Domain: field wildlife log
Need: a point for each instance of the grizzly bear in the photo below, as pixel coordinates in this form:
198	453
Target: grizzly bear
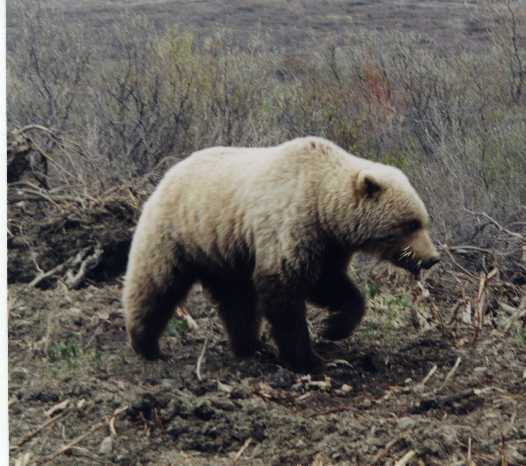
265	230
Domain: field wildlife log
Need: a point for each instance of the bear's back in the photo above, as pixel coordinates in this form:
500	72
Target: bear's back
225	198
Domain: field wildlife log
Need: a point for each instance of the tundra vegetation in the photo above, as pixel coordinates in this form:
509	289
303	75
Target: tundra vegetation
435	374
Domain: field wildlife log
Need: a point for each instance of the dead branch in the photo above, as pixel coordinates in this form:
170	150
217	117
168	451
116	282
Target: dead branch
200	360
497	224
42	276
439	402
39	429
429	375
517	314
84	261
445	248
386	449
406	458
111	421
27	128
248	441
75	441
73	280
451	373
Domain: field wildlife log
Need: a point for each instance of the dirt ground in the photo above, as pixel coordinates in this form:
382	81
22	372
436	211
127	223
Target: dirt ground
399	389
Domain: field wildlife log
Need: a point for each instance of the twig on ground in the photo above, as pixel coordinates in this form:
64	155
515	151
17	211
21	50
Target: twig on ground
406	458
439	402
386	449
445	247
86	264
200	360
39	193
57	408
74	442
42	276
479	308
428	376
86	453
111	421
516	314
49	422
73	280
241	451
450	374
454	312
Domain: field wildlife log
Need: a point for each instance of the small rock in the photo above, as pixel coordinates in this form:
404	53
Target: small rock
346	388
406	423
167	383
239	393
282	378
223	387
224	405
106	446
367	403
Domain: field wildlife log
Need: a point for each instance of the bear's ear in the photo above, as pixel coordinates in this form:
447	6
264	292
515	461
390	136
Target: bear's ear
367	185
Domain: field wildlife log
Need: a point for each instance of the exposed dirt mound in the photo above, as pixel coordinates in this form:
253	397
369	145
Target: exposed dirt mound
44	237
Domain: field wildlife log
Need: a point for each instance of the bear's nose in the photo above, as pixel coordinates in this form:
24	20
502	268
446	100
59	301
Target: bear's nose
430	262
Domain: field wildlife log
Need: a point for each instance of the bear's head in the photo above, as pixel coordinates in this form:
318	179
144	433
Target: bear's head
395	219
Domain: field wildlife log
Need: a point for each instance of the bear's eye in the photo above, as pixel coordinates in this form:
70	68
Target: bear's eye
412	226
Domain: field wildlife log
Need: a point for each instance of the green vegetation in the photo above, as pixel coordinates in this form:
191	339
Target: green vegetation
63	351
177	327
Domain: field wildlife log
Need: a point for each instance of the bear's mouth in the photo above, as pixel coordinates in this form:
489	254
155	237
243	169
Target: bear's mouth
407	261
410	265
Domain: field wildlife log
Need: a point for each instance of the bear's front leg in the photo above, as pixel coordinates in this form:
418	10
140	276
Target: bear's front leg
285	310
336	292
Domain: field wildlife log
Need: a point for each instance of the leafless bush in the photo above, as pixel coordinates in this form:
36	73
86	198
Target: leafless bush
47	71
455	123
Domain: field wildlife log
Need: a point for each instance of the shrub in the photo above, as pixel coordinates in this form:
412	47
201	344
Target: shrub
455	123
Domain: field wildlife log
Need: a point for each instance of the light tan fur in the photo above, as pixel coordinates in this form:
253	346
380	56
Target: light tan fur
265	212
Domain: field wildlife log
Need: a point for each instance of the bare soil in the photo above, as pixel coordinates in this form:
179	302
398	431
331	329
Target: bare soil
368	407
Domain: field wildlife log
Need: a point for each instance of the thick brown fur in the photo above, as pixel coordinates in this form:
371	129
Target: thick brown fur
265	230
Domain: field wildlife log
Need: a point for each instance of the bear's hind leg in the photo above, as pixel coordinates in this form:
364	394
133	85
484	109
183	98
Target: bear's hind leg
287	316
150	298
343	299
236	304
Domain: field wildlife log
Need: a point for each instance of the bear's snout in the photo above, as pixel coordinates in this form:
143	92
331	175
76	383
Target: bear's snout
427	264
